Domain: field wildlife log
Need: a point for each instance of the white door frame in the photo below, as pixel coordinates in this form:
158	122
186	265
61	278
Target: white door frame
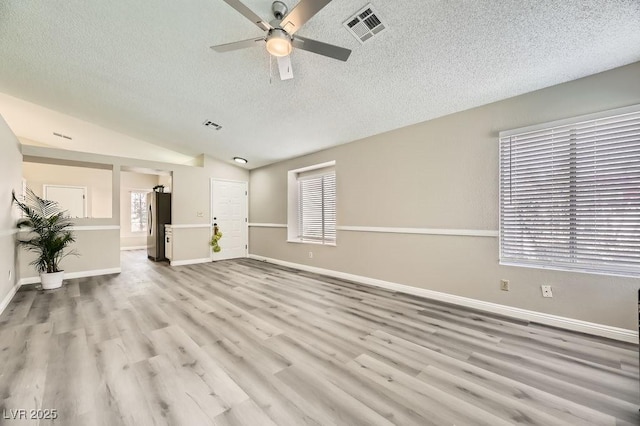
84	194
246	212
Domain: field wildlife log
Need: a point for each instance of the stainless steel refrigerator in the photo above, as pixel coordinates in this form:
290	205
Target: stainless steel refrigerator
158	215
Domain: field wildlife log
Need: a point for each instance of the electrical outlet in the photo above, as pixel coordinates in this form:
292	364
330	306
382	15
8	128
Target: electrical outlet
310	255
546	291
504	285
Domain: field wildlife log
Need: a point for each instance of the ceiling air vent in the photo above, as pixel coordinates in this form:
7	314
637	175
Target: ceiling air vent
365	24
211	124
60	135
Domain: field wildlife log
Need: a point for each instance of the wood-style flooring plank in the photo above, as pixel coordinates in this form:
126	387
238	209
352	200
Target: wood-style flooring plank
383	401
317	394
402	352
260	385
422	397
243	342
211	385
22	383
72	376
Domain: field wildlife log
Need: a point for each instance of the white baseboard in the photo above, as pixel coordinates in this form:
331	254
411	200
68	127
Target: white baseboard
601	330
72	275
189	261
7	299
133	248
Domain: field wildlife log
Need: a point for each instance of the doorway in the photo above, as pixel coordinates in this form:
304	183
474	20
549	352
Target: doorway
229	211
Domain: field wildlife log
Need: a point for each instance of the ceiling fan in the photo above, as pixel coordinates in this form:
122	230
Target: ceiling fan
281	35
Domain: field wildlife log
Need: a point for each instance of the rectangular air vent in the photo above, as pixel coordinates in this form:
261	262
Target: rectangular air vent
60	135
213	125
365	24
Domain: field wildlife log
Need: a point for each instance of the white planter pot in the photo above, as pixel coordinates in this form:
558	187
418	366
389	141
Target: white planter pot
51	280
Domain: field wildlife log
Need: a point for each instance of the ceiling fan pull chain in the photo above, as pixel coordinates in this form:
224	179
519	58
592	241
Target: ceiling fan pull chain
270	69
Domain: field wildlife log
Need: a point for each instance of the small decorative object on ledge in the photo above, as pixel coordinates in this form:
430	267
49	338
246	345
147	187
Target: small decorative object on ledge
215	238
158	188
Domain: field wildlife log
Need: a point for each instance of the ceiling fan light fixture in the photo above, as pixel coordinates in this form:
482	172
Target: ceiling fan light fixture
279	43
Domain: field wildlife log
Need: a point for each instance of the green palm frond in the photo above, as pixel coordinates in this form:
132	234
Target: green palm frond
49	234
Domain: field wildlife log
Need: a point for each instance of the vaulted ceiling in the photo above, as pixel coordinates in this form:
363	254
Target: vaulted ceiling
144	69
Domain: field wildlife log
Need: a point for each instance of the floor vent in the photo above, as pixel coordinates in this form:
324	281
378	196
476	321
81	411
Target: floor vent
365	24
211	124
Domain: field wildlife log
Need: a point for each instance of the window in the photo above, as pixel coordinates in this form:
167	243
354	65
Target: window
317	208
312	204
138	211
570	194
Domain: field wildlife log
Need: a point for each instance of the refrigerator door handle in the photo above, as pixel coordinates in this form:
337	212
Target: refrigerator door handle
150	220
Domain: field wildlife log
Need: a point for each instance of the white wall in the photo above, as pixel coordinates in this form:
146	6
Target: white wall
10	179
97	182
131	181
191	196
443	174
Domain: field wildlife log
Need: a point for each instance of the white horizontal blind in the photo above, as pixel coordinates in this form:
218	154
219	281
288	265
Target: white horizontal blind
570	196
317	208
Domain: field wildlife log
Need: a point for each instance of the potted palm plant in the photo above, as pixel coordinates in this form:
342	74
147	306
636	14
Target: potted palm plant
48	236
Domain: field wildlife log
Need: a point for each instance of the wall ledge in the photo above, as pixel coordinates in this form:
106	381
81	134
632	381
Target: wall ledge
616	333
95	228
422	231
398	230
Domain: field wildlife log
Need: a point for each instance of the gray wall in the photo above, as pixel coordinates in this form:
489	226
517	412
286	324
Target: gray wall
444	174
10	179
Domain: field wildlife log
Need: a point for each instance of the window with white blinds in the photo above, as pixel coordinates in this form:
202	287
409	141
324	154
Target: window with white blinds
570	195
317	208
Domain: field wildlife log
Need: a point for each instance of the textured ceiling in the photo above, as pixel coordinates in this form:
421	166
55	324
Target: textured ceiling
145	69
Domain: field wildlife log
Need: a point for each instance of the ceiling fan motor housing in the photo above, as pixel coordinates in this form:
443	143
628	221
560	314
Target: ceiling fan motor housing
279	9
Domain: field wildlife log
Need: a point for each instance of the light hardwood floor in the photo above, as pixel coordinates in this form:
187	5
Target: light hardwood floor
247	343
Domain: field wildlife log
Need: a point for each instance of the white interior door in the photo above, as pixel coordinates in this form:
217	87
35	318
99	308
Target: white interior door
70	198
229	210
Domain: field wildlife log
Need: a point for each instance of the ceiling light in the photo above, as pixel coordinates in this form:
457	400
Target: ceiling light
240	160
278	42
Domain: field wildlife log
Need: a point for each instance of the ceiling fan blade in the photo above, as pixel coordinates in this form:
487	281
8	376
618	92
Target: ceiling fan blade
248	13
301	13
284	66
236	45
325	49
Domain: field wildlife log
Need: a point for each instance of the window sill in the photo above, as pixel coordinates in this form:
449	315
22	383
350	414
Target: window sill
315	243
576	269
